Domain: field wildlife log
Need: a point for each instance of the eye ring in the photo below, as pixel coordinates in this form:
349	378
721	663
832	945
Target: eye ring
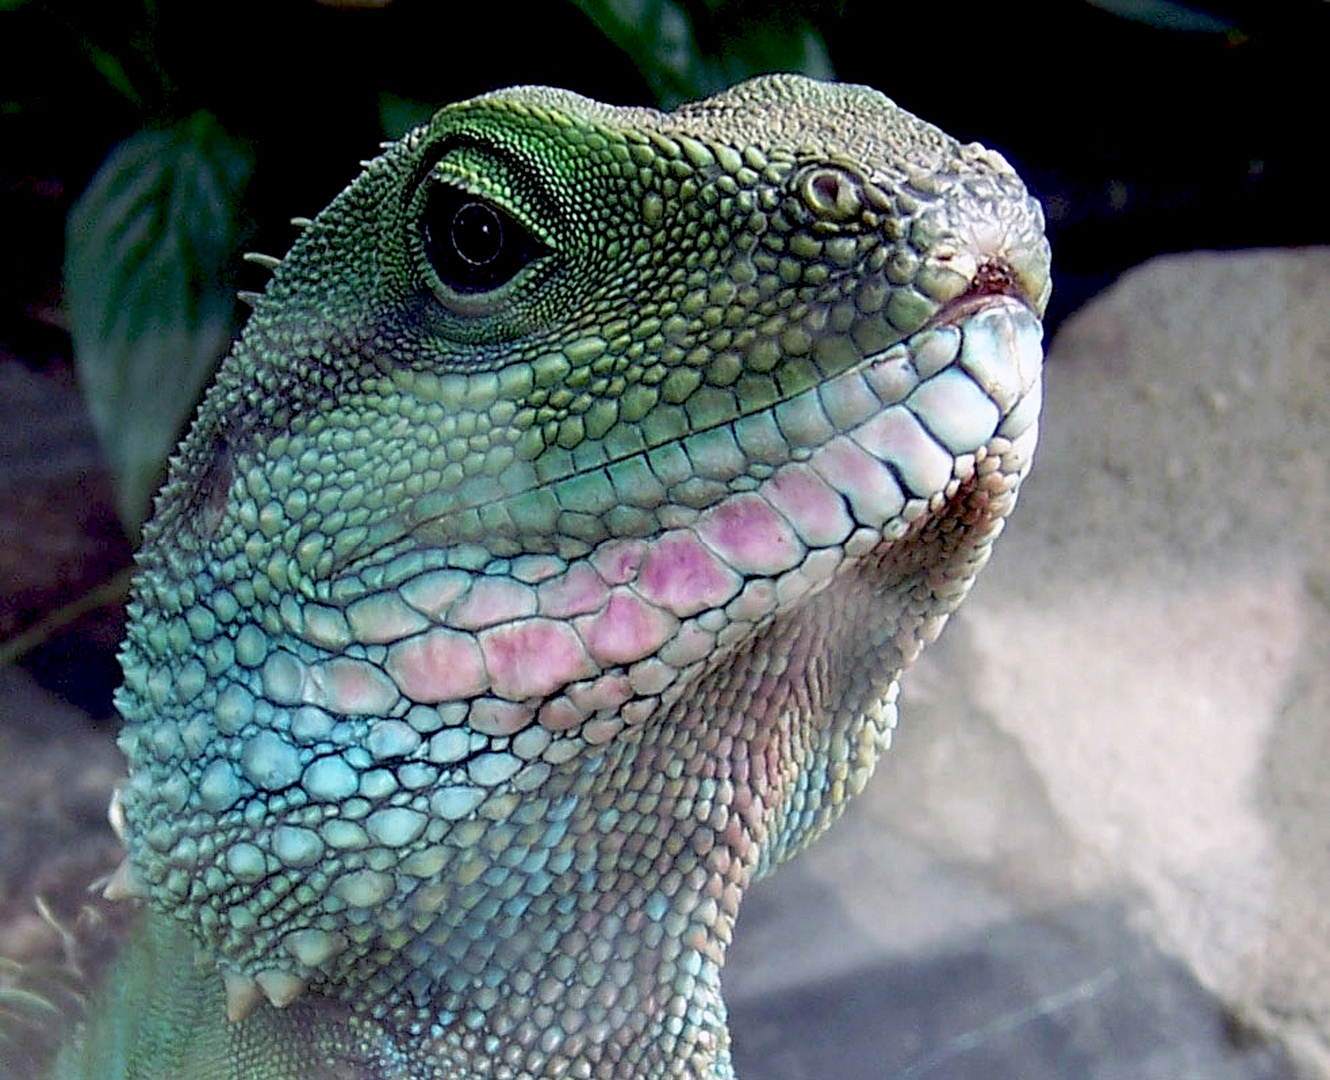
473	245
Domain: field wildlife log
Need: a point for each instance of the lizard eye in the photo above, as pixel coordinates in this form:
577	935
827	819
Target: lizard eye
472	244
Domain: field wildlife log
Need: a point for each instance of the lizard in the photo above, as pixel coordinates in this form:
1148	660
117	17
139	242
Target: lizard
539	570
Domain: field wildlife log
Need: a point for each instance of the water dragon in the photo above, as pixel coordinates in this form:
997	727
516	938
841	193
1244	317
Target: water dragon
538	573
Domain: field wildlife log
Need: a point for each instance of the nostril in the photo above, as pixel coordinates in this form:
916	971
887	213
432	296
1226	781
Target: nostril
994	278
1020	277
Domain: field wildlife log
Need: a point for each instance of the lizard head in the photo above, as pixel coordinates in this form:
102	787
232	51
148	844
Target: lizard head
542	561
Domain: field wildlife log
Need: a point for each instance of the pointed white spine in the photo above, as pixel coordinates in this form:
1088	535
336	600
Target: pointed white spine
115	814
125	884
280	987
242	995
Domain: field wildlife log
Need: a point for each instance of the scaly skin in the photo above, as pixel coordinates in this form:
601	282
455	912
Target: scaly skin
539	570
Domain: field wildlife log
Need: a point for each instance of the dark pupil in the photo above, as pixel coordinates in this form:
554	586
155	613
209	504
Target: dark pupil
477	234
473	245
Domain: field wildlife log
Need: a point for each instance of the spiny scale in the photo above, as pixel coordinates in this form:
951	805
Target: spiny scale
242	995
280	987
125	884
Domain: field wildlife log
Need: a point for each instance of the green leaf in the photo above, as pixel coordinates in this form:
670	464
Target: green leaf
689	49
148	248
398	115
1168	15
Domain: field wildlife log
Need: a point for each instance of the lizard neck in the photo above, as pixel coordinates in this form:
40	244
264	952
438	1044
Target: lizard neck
635	863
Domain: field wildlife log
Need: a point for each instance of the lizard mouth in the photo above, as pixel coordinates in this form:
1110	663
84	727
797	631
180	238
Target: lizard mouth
976	301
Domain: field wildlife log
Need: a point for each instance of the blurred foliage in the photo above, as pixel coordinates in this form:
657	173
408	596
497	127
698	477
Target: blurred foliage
147	250
692	50
1169	15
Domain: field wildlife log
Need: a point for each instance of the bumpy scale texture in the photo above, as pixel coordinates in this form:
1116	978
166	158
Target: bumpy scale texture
538	573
